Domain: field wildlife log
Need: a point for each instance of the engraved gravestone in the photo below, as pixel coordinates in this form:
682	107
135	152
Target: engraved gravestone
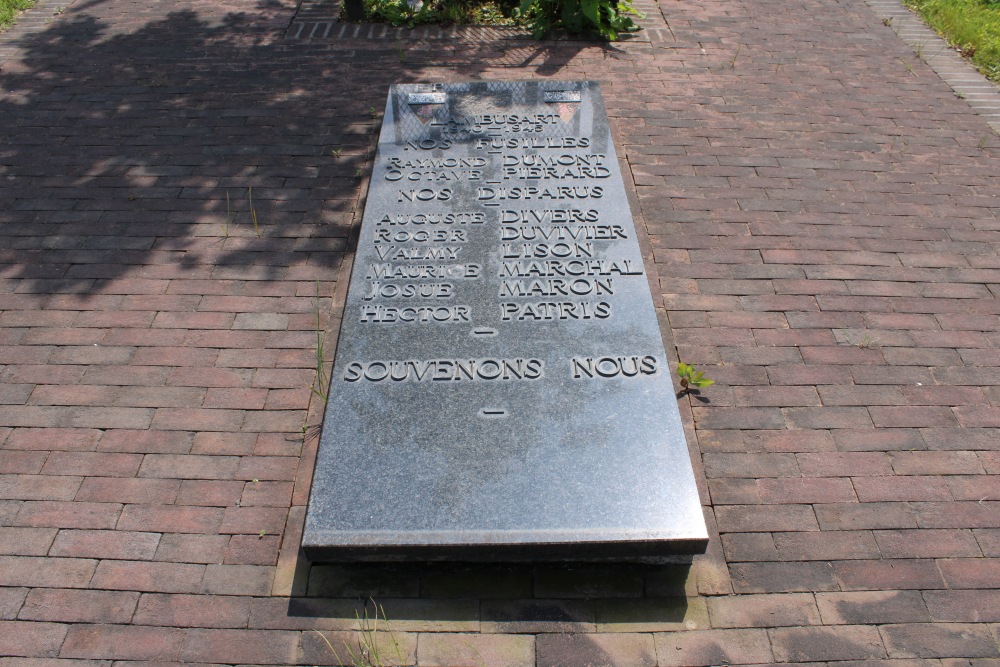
500	389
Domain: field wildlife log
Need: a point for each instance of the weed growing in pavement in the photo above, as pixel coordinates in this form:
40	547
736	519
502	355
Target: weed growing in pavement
732	61
983	141
370	651
253	216
691	378
322	381
337	152
887	21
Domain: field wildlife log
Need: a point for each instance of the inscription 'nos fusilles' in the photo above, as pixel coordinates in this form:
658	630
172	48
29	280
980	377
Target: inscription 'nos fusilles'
445	370
609	367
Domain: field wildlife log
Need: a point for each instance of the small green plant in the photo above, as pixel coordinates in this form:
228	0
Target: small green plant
321	382
732	61
887	22
253	216
983	141
370	651
691	378
337	152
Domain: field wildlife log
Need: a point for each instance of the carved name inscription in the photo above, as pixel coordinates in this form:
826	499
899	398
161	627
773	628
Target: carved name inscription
499	335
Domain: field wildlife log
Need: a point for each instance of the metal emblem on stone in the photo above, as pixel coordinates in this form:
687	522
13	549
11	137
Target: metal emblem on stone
500	389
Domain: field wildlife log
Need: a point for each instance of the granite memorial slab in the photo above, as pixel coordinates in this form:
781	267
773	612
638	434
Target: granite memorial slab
500	388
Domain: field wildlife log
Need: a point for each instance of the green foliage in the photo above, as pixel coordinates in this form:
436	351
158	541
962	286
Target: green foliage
9	10
605	18
691	378
971	26
472	12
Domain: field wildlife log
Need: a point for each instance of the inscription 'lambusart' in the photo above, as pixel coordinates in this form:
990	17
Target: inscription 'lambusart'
500	370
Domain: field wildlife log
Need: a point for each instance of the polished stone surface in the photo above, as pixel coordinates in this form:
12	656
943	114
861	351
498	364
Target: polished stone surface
500	389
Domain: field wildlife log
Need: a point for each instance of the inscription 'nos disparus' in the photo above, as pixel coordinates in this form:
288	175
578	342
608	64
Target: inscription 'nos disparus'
445	370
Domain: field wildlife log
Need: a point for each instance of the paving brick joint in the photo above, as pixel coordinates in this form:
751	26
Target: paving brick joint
821	228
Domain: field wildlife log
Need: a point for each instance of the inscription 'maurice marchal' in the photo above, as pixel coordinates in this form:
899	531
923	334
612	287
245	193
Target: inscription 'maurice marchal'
500	388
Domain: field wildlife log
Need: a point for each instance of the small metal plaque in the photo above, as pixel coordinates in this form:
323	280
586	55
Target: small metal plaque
427	98
500	389
562	95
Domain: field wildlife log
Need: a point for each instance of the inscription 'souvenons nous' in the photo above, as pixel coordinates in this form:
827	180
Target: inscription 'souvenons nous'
464	370
547	253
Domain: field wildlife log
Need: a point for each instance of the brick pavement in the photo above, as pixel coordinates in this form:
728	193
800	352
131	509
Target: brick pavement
821	216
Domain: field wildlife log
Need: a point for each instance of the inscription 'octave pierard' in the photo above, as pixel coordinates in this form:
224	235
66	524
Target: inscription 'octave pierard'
445	370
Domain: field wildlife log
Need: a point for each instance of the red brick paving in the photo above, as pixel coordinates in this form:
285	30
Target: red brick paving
820	213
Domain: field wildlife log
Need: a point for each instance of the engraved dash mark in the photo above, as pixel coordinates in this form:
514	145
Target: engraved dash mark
484	332
492	412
